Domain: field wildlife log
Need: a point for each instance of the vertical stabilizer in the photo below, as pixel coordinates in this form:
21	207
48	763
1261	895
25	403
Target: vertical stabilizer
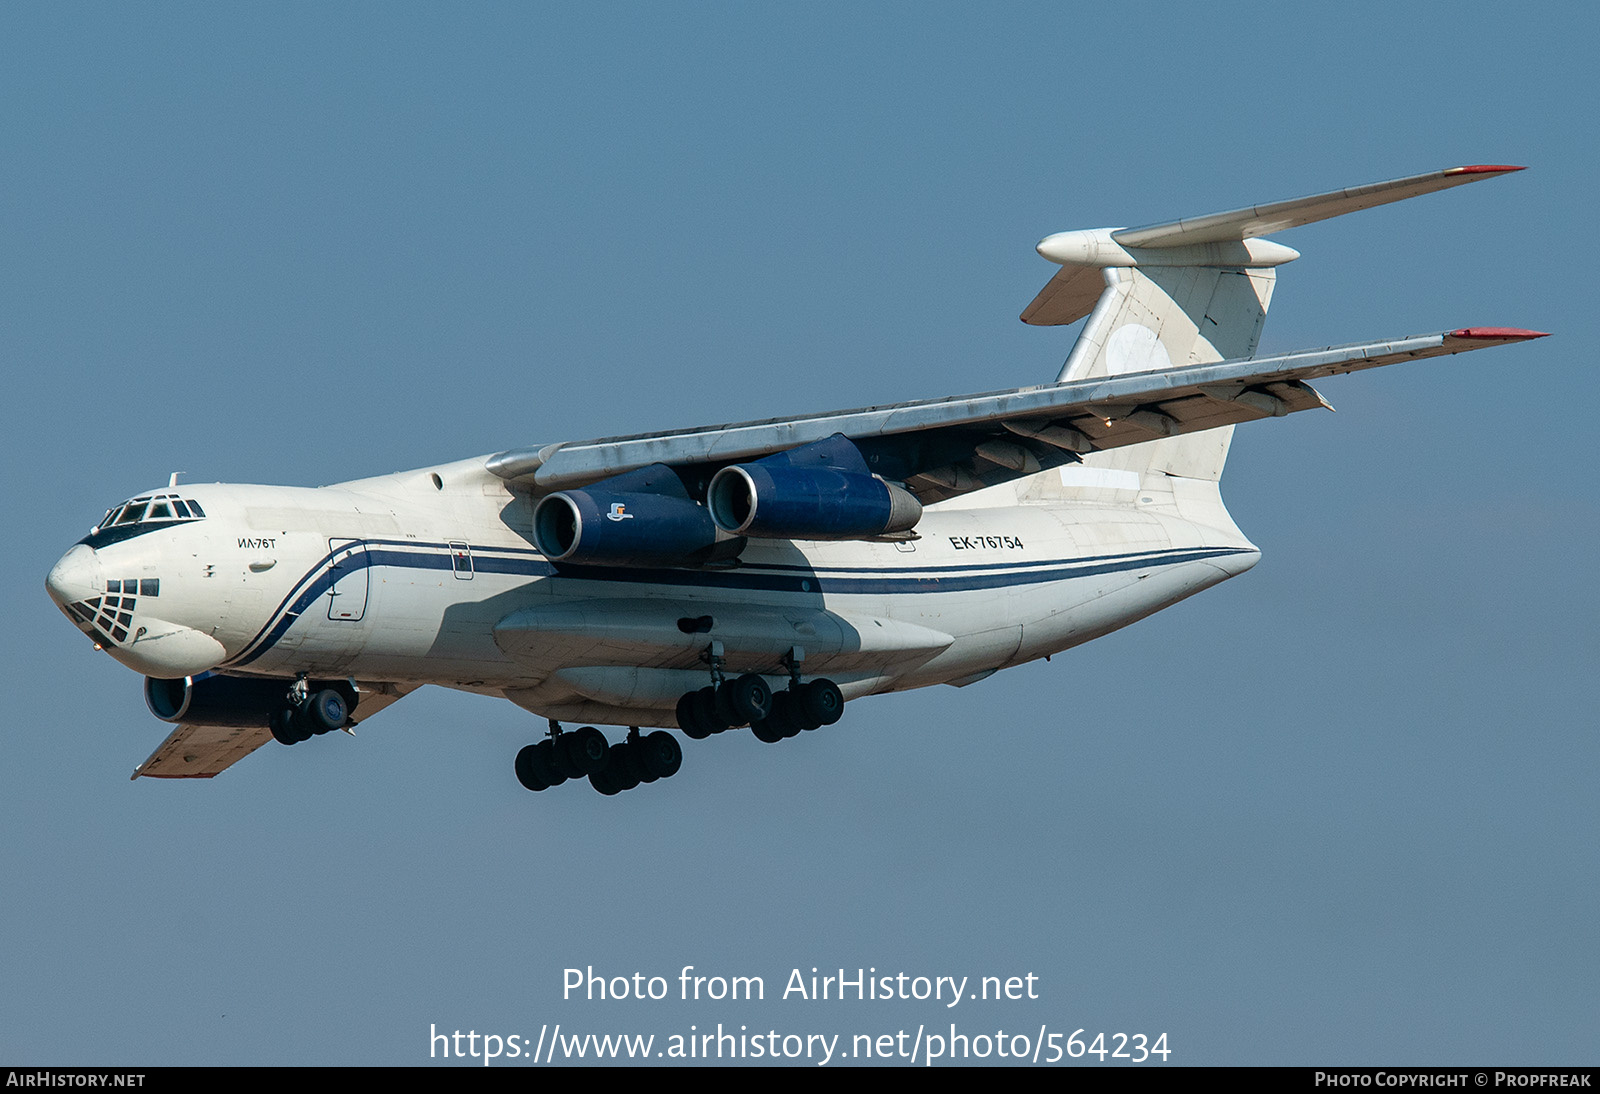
1161	316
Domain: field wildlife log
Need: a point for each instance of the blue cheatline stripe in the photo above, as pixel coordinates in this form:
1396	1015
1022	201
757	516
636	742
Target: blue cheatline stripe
956	567
425	556
799	580
987	578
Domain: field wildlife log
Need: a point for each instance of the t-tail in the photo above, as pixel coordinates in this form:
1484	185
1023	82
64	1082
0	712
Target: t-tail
1187	292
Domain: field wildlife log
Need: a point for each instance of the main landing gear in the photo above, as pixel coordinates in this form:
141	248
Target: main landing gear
748	700
611	768
745	700
306	713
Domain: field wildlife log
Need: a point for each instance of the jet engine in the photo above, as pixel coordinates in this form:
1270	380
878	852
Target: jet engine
643	518
233	701
821	490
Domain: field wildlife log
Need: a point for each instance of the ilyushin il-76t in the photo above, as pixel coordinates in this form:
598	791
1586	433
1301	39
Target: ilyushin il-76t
763	574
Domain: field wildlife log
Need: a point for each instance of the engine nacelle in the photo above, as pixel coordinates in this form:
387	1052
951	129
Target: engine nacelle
643	518
233	701
821	490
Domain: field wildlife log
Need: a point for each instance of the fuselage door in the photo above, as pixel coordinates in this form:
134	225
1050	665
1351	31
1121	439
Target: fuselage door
347	587
461	560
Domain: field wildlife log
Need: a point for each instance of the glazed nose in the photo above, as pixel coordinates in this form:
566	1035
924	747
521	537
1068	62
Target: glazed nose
77	576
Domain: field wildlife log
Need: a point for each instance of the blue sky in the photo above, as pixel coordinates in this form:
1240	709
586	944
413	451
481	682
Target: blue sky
1340	810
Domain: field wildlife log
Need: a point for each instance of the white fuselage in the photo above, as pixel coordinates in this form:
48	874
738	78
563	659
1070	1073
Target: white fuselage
432	577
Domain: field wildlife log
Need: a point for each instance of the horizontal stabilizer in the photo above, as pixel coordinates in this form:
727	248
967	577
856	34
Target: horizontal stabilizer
1260	220
1216	240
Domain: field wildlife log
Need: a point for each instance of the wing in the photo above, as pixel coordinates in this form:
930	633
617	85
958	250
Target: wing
942	448
202	752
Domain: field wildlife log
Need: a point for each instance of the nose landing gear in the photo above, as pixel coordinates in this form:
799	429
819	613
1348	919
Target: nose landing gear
306	713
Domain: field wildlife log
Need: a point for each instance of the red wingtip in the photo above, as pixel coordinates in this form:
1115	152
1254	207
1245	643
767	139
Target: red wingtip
1510	333
1485	169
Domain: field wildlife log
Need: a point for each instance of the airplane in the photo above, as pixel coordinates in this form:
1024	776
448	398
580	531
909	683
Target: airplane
762	574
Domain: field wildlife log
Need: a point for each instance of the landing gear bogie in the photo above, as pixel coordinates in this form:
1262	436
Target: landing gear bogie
772	716
749	699
610	768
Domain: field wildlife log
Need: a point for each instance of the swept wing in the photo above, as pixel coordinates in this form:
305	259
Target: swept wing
201	752
942	448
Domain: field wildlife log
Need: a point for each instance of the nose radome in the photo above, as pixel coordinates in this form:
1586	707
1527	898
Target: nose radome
77	576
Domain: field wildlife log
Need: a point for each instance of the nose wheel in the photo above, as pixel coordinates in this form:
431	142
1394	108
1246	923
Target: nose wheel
307	714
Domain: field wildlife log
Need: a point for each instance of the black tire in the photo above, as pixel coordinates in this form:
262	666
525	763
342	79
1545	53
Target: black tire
822	702
766	731
623	768
564	764
751	698
542	762
660	754
782	717
327	710
283	727
636	761
722	700
705	708
528	769
605	780
585	750
798	714
689	721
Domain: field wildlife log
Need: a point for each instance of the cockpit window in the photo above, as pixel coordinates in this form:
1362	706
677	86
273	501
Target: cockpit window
162	507
137	516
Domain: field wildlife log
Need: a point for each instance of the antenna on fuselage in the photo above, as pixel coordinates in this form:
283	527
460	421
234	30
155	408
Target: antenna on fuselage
172	479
